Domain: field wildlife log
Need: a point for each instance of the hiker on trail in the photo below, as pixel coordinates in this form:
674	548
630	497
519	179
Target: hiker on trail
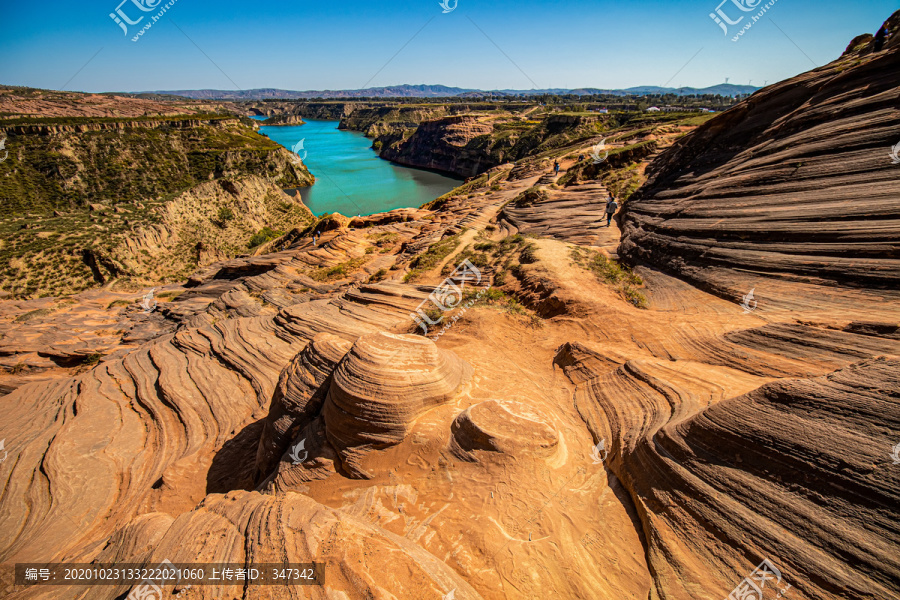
880	37
580	157
556	167
611	207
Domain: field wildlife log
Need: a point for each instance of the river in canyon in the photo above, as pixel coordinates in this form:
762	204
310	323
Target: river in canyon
350	178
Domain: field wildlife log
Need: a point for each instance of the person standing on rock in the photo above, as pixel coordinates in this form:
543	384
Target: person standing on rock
611	207
880	37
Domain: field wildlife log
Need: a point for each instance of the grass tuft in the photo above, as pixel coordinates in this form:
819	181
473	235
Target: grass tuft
612	273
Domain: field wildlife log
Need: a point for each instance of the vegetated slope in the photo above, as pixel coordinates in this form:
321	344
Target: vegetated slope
66	163
795	183
73	188
17	102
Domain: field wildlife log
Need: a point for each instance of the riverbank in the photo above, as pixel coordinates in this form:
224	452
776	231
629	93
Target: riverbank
350	177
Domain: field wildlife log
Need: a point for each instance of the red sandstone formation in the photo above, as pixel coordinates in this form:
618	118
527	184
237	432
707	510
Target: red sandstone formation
564	445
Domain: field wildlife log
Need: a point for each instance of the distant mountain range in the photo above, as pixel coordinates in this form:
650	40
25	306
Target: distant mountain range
437	91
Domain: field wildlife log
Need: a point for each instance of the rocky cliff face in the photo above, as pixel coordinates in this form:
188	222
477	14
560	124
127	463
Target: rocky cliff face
67	163
284	120
73	189
382	120
211	222
322	111
468	145
446	145
795	183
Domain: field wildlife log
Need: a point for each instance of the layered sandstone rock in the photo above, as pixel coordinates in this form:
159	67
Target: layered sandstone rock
795	183
599	452
299	396
758	473
502	426
442	145
381	387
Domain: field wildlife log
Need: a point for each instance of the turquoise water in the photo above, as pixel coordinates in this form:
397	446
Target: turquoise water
350	178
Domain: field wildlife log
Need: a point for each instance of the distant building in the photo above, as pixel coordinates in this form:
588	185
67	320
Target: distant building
604	111
653	109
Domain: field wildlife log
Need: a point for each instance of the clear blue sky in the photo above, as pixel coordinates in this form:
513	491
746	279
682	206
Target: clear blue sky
343	44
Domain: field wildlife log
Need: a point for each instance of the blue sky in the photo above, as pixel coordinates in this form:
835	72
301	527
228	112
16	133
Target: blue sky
341	45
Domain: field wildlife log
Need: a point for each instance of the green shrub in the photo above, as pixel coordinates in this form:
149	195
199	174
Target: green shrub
431	257
611	272
266	234
225	215
379	275
528	255
338	271
91	359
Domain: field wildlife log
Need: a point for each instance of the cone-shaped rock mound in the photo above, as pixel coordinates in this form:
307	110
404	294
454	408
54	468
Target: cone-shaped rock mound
299	396
502	426
382	386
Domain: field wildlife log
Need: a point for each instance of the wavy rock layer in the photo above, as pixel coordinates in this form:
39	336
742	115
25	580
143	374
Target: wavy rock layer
382	386
795	183
502	426
595	451
572	216
299	396
797	471
291	528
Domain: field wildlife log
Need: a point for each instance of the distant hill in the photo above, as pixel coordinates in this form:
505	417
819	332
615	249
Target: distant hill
439	91
395	91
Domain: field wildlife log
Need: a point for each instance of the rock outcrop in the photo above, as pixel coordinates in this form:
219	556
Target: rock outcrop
795	183
381	387
502	426
796	471
442	145
299	396
284	120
